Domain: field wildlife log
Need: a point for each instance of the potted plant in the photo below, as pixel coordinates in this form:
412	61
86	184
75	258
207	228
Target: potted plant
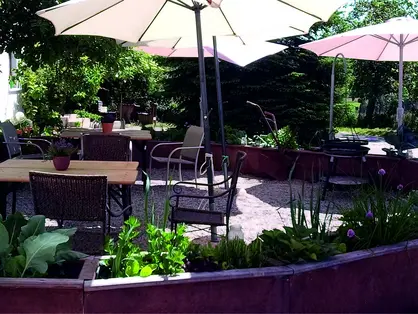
60	152
107	122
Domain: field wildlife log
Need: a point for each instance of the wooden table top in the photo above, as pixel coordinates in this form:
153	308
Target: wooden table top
134	134
117	172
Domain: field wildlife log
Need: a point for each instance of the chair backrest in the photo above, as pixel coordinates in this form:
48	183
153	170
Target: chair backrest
193	138
69	197
10	135
108	147
234	180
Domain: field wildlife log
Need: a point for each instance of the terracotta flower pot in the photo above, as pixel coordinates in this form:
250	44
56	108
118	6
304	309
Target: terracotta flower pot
61	163
107	127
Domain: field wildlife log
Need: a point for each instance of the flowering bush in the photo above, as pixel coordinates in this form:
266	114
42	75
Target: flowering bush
379	217
24	126
61	148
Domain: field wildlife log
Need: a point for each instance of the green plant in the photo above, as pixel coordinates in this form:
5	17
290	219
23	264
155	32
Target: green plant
77	124
236	254
284	136
61	148
379	217
167	250
127	258
85	114
27	249
235	136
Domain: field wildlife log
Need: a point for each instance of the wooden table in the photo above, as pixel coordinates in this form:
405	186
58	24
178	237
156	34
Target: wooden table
138	137
117	172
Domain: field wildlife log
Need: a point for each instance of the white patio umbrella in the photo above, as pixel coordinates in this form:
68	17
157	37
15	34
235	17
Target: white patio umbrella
233	49
394	40
142	20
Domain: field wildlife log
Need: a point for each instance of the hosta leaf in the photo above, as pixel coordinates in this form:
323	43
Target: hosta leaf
67	232
35	226
14	224
4	239
68	255
40	250
14	266
146	271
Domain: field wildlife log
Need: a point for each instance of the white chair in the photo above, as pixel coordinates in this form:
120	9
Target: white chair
188	152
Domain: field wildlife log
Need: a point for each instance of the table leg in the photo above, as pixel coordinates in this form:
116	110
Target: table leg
3	199
143	165
126	201
332	168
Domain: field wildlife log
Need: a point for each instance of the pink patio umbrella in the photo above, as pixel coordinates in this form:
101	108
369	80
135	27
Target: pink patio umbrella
394	40
233	49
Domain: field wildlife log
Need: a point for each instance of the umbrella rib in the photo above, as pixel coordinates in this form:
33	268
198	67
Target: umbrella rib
181	3
90	17
395	42
383	50
411	41
155	17
229	24
298	29
174	47
298	9
342	45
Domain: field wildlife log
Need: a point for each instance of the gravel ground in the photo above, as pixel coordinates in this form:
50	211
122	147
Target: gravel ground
260	204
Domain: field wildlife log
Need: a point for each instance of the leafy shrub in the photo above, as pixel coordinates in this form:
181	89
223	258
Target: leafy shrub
165	255
85	114
346	114
235	136
27	249
411	120
365	131
379	217
285	137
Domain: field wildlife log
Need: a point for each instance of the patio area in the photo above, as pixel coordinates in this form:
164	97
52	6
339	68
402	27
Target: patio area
260	204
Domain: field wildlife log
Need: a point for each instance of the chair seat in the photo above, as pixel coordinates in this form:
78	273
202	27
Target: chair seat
30	156
173	160
199	217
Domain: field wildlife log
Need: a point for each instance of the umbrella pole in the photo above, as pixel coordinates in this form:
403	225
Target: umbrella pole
220	111
400	110
204	103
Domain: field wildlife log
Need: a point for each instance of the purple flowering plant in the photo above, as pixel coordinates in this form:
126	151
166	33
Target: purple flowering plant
61	148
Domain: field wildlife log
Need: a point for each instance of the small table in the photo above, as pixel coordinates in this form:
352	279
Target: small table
138	137
117	172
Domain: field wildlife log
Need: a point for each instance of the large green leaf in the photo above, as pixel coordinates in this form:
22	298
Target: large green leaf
4	239
41	249
14	224
68	255
68	232
35	226
14	266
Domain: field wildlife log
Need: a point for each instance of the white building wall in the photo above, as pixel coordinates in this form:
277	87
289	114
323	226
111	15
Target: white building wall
9	97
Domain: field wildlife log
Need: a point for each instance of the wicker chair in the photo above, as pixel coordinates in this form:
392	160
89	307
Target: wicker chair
189	151
181	214
71	197
14	148
108	147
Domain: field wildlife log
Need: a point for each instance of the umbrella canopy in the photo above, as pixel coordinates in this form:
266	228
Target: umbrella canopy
232	49
142	20
394	40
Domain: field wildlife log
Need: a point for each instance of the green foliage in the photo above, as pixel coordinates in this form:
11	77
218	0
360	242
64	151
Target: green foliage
346	115
85	114
379	217
285	137
235	136
365	131
411	120
167	250
165	255
26	249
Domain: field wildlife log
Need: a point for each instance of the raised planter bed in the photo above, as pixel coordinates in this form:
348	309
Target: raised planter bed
384	279
44	295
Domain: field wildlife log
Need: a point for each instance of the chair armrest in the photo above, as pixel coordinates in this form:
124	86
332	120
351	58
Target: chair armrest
27	143
163	144
34	139
119	212
200	184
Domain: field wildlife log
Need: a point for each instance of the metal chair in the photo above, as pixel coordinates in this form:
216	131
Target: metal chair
188	152
72	197
14	149
185	215
14	143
